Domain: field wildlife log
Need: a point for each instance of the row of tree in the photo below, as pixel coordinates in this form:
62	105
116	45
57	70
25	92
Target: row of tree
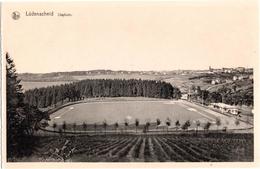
168	123
44	97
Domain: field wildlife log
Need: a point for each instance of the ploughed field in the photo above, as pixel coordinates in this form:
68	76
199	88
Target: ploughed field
215	147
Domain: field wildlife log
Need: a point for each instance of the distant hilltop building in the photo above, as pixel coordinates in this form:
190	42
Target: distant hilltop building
230	70
210	69
249	70
241	69
235	78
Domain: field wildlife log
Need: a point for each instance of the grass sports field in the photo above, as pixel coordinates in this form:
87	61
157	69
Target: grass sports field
94	144
119	110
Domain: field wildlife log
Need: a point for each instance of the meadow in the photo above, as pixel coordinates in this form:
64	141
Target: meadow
32	85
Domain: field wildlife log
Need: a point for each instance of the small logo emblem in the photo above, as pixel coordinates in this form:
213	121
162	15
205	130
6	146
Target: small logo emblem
16	15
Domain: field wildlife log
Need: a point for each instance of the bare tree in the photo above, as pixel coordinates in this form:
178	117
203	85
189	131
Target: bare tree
197	125
60	131
84	125
168	123
186	125
74	127
64	126
218	122
54	125
136	124
95	127
158	122
237	122
177	124
126	125
147	125
207	126
105	125
116	126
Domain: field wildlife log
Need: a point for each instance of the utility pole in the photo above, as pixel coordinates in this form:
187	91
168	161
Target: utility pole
222	102
202	101
189	94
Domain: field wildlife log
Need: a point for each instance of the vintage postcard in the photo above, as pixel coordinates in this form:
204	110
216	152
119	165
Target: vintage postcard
130	84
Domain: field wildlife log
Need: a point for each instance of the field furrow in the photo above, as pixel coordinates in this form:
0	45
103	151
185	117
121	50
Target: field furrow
122	153
168	149
150	148
115	150
182	152
132	152
161	154
106	150
141	152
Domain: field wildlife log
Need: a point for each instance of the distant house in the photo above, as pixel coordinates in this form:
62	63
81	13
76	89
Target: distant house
191	95
251	77
235	78
228	81
215	81
212	70
240	69
227	70
184	96
217	70
249	70
243	77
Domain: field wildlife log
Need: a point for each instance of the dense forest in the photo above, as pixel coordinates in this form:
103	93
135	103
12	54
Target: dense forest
21	117
231	96
44	97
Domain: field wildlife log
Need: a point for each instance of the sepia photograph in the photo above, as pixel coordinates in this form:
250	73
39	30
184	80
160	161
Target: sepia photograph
129	82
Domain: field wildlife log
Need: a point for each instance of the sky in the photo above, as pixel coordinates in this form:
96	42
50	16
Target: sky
132	36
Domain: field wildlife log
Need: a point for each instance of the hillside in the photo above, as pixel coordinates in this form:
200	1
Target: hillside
183	79
97	74
177	78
